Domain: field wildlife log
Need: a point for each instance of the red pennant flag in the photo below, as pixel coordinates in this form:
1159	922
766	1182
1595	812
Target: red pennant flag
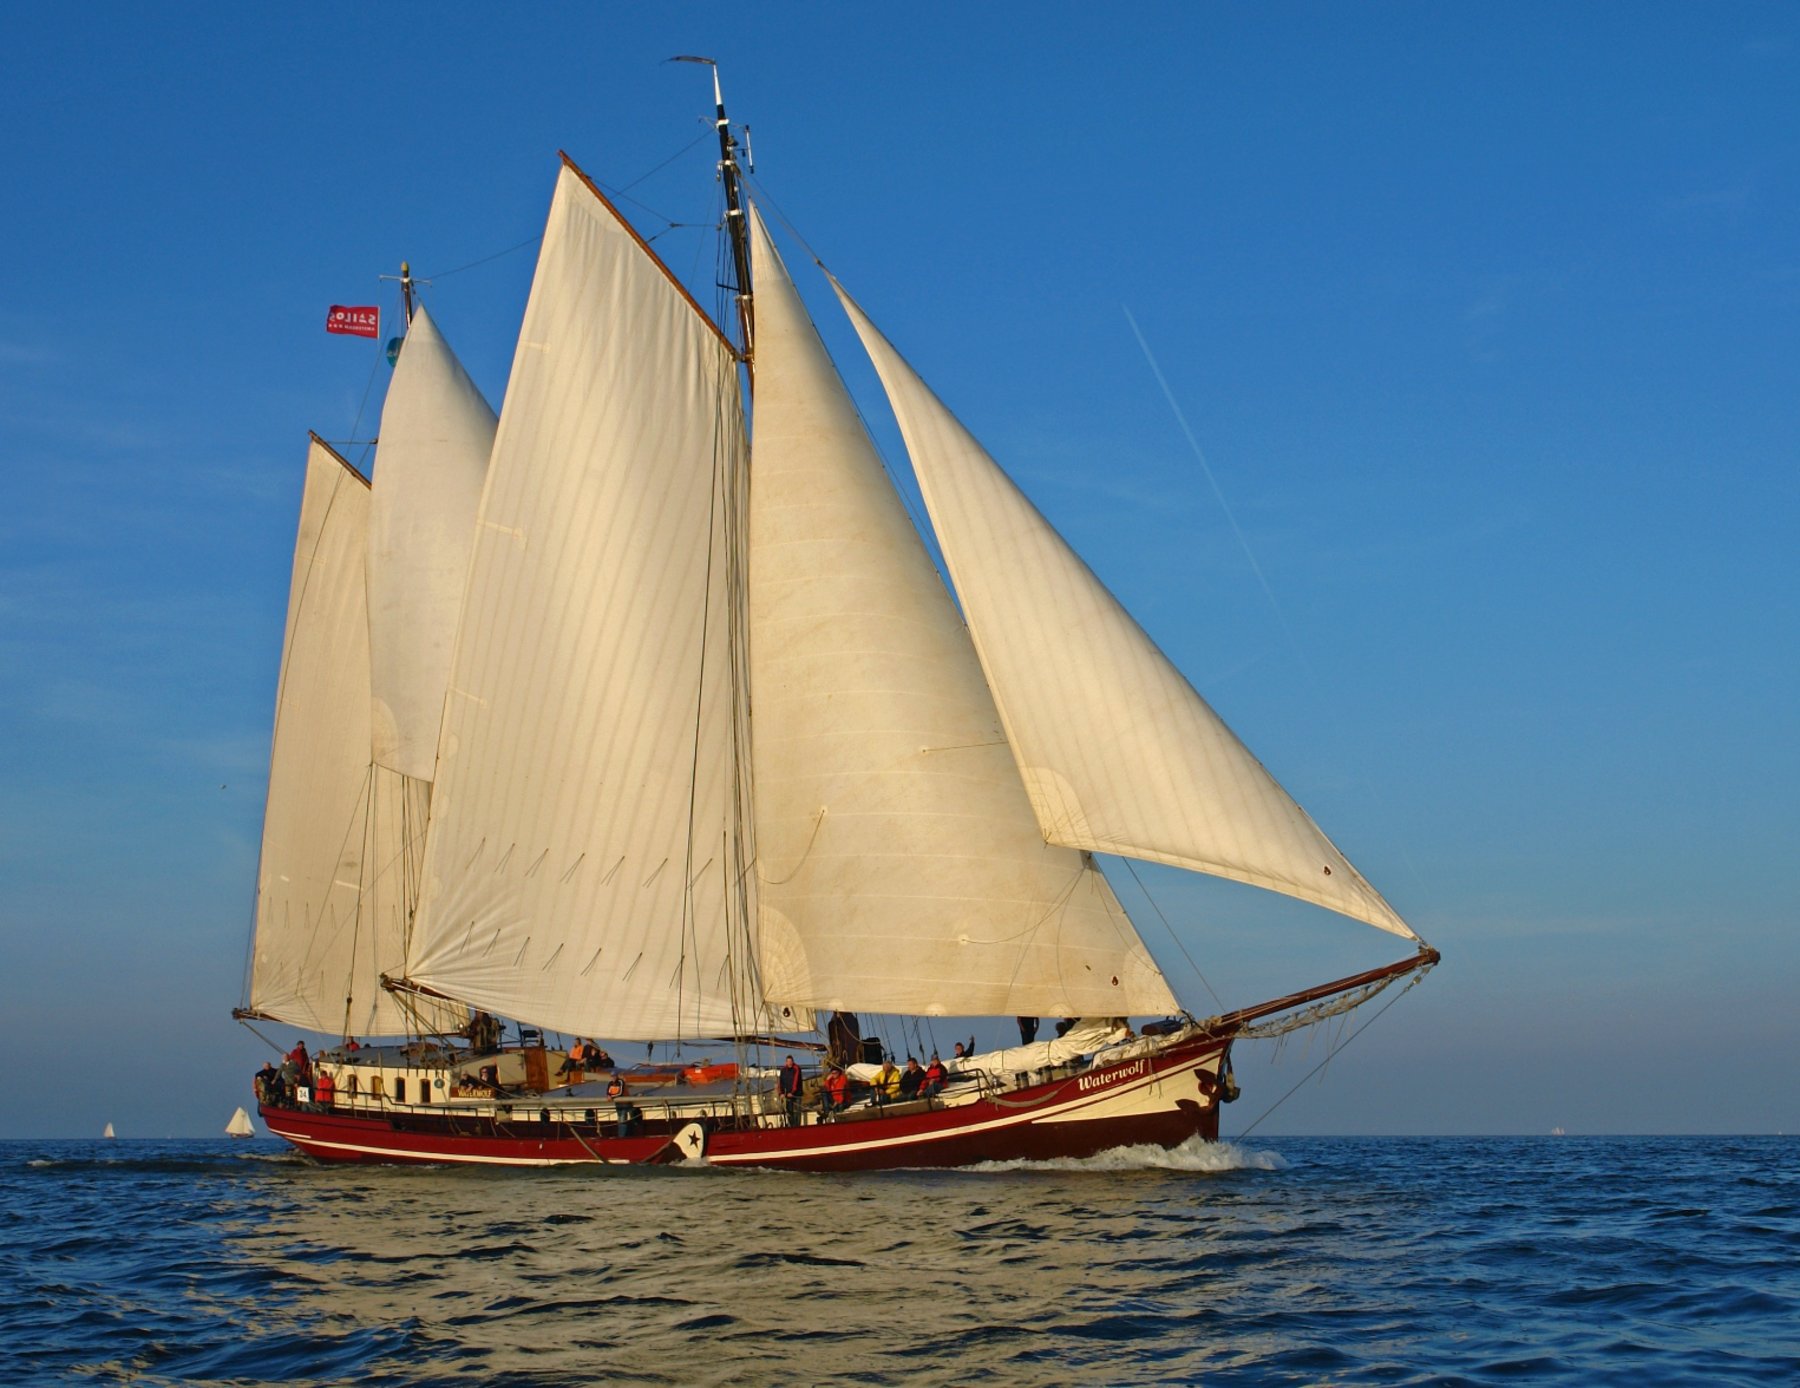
358	322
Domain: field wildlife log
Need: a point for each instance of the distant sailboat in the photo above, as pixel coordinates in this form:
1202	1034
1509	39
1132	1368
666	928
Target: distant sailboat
239	1126
109	1133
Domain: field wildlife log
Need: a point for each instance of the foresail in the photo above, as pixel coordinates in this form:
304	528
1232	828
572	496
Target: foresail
1117	751
436	434
584	842
900	866
319	952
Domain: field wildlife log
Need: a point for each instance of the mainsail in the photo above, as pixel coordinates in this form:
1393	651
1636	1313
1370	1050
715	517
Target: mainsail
320	950
900	867
1118	752
586	842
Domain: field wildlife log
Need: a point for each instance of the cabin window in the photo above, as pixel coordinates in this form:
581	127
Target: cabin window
377	1086
424	1091
399	1090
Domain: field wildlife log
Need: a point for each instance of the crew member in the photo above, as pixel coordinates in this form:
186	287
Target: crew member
836	1090
791	1083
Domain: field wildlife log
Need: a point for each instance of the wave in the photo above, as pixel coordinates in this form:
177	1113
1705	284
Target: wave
1194	1155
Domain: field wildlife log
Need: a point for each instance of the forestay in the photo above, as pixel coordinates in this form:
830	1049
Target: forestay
583	834
1118	752
901	869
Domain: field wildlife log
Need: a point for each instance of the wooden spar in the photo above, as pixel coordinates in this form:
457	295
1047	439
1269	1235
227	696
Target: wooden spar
645	247
347	465
406	985
1232	1021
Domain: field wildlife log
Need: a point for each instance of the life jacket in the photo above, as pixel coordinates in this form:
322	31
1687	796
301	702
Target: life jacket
325	1088
837	1086
616	1088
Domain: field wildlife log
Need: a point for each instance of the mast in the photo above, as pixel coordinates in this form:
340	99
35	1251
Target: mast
406	289
736	227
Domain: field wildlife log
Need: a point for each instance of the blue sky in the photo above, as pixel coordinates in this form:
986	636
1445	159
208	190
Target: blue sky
1487	320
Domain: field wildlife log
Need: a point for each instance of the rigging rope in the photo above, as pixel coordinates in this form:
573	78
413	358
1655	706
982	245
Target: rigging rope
445	274
1131	867
1335	1051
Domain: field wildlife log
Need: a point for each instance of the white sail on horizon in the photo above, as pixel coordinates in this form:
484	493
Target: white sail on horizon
1117	750
901	869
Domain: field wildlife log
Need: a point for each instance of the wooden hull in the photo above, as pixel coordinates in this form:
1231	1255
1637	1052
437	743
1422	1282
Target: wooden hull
1162	1100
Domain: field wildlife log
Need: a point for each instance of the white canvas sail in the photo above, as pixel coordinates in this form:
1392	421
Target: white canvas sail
240	1125
436	434
900	866
584	841
318	955
1117	751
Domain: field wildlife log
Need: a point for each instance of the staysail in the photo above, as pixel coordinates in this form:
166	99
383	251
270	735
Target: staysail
436	434
900	866
320	949
1118	753
585	839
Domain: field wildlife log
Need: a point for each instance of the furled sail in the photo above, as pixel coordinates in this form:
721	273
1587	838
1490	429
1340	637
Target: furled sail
320	947
1118	752
436	435
900	866
584	841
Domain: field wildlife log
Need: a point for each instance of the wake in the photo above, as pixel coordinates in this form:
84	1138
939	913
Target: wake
1194	1155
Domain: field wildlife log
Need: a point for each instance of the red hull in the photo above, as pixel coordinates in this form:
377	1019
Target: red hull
1159	1100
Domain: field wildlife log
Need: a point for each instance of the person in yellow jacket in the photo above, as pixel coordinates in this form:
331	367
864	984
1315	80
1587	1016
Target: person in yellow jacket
886	1084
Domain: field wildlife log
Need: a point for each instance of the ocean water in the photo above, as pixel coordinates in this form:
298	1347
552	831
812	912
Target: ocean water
1621	1260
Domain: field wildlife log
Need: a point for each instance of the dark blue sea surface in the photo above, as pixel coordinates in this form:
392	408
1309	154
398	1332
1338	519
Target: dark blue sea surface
1577	1260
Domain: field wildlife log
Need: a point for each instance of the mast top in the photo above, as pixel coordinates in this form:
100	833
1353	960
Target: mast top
737	226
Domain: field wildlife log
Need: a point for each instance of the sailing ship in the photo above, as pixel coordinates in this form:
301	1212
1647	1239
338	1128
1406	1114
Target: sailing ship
239	1124
613	718
108	1134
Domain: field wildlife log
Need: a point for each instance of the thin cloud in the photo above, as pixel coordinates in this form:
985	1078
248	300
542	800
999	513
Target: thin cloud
13	353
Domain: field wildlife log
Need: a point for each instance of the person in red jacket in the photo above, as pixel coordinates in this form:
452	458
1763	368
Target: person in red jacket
935	1075
324	1090
837	1089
